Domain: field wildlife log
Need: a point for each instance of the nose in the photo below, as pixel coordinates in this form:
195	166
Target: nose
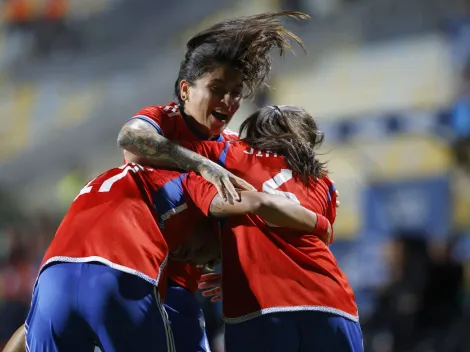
228	100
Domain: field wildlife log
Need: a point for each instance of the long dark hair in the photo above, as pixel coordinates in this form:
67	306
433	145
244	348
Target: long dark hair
243	43
289	131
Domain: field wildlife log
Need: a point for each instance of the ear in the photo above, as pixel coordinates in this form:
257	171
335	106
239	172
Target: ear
184	90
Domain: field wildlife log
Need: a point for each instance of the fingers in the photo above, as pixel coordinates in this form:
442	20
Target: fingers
221	190
211	276
209	281
211	284
230	189
212	292
208	285
216	298
242	184
338	203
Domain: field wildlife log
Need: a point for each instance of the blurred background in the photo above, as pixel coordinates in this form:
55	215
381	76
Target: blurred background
388	80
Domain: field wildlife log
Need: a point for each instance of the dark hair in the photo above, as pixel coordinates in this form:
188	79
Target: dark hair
243	43
289	131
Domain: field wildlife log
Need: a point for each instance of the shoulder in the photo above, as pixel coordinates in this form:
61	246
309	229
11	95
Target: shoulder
159	111
230	135
328	181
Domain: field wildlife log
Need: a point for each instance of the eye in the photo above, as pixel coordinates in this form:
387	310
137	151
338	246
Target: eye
218	90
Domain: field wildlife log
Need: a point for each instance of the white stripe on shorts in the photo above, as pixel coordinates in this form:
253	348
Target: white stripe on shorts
170	343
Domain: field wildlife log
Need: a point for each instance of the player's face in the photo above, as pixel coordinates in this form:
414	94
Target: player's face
214	98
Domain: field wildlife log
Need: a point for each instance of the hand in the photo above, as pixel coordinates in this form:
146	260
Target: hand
338	203
224	181
211	284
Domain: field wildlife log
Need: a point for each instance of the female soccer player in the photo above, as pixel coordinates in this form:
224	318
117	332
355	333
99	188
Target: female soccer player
222	65
282	289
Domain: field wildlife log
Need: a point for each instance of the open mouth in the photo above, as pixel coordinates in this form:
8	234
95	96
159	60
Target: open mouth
219	116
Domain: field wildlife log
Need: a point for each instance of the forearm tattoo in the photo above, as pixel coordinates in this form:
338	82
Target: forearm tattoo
139	138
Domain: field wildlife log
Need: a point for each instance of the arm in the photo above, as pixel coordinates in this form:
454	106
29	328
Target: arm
142	139
209	149
17	342
276	209
272	208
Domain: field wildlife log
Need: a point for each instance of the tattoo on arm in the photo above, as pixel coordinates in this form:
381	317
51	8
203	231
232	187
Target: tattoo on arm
140	138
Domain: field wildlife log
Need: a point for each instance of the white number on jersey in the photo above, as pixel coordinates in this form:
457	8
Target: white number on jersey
271	186
106	185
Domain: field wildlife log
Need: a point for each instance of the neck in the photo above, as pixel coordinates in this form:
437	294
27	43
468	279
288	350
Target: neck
203	130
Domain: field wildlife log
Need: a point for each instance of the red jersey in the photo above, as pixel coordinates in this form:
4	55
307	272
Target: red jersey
117	218
268	269
173	125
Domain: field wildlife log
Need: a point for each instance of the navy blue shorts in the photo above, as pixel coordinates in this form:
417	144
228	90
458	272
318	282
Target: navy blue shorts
294	331
186	319
76	306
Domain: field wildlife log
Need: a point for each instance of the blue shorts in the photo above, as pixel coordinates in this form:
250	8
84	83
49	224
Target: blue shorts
294	331
186	319
76	306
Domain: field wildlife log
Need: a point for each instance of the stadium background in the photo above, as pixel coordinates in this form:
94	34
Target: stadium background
389	81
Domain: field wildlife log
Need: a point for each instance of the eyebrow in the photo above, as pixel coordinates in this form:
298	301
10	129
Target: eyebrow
218	80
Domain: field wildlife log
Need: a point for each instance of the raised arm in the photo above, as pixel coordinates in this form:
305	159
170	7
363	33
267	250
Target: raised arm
274	209
143	140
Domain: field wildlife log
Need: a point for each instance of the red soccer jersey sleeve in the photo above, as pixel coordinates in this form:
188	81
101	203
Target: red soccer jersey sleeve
199	191
163	118
230	135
